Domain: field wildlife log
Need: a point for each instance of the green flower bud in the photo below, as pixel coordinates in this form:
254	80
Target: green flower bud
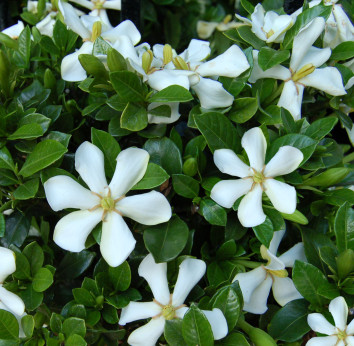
297	217
99	301
49	79
345	263
190	167
258	336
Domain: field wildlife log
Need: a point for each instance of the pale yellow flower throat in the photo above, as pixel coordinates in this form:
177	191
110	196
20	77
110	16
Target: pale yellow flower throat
168	311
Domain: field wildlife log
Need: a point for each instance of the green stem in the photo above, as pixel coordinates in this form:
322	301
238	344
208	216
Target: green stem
248	264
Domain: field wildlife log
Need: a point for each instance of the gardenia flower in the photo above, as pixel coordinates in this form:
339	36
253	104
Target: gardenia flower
256	178
339	335
15	30
268	26
303	71
10	301
255	284
103	202
167	306
205	29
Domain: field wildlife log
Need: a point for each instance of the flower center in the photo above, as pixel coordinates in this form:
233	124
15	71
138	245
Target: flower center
98	4
341	334
168	312
281	273
258	177
303	72
108	203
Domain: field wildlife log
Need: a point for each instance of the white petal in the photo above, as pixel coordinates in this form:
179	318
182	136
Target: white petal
84	3
279	25
113	4
350	328
8	263
64	192
319	324
273	261
276	239
124	46
130	169
291	98
323	341
349	340
15	30
229	64
289	257
197	51
175	114
284	290
250	281
126	28
257	18
138	311
304	40
255	144
276	72
72	20
250	212
258	301
162	79
89	162
285	161
191	270
327	79
156	276
46	25
339	310
205	29
282	196
117	241
228	162
148	334
181	312
71	231
71	69
212	94
13	302
315	56
217	322
149	208
226	192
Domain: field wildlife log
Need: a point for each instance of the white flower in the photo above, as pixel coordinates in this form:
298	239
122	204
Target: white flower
268	26
303	71
206	29
255	284
15	30
167	306
8	300
339	335
104	202
256	178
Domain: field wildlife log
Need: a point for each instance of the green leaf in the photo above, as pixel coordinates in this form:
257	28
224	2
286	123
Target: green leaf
173	93
23	269
128	86
213	213
344	227
56	323
84	297
247	6
42	280
248	36
134	118
343	51
17	227
264	232
35	256
109	146
93	66
9	327
44	154
161	111
185	186
243	109
290	322
120	276
24	44
164	152
196	329
100	47
167	240
269	57
303	19
28	131
27	323
75	263
321	127
2	225
6	161
173	333
234	339
154	176
330	177
37	118
74	325
27	190
115	61
109	314
218	131
307	279
226	299
31	298
75	340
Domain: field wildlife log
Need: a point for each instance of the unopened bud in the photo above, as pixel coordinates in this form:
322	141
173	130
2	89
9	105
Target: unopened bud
179	63
190	167
167	54
147	60
345	263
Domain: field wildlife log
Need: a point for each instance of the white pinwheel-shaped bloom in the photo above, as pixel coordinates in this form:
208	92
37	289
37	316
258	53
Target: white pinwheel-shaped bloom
166	306
103	202
303	71
268	26
339	335
123	38
15	30
10	301
256	178
256	284
205	29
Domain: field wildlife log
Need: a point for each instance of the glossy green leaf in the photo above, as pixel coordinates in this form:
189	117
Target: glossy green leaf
185	186
74	325
344	227
243	109
173	93
17	227
264	232
6	161
343	51
154	176
330	177
248	36
28	131
27	323
269	57
42	280
213	213
35	256
128	86
75	263
27	190
31	298
173	332
134	118
120	276
115	61
234	339
84	297
321	127
9	328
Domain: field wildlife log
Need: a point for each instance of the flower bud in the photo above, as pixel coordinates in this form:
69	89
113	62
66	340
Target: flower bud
258	336
297	217
345	263
190	167
49	79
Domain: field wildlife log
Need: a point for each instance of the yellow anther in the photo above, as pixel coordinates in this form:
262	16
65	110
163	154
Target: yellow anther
167	54
147	60
168	312
303	72
108	203
227	19
270	33
281	273
96	30
179	63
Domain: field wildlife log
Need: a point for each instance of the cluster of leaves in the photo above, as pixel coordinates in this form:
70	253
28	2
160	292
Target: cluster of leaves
75	298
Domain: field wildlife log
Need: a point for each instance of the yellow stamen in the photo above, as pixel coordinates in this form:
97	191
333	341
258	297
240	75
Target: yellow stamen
282	273
303	72
147	60
96	30
167	54
179	63
168	311
227	19
270	33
